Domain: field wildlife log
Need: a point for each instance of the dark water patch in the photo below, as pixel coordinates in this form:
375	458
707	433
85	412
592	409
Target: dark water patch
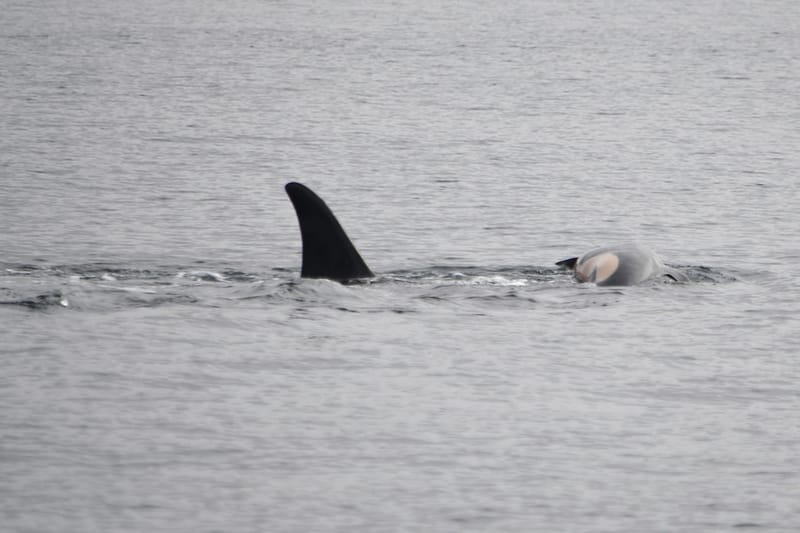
157	300
37	302
510	298
239	276
11	269
704	274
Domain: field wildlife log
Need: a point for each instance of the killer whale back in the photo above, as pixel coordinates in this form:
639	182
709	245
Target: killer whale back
327	250
623	264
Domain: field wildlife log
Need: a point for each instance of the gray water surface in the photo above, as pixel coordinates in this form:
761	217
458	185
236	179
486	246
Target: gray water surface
164	368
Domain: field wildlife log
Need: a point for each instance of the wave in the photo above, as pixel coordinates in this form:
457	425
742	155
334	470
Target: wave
108	286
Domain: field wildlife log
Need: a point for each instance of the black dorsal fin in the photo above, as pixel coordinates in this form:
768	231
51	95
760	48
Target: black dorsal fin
568	263
327	251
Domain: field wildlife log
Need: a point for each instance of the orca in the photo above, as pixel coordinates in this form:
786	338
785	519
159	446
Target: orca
328	252
626	264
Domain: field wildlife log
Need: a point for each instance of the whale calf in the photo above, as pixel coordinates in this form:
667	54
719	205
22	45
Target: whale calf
329	253
626	264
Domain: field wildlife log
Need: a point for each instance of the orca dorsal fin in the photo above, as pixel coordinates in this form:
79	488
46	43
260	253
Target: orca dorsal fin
327	251
568	263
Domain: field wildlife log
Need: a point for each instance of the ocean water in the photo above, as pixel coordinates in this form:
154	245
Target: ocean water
164	367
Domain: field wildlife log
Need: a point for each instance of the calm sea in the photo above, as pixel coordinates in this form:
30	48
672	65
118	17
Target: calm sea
164	368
